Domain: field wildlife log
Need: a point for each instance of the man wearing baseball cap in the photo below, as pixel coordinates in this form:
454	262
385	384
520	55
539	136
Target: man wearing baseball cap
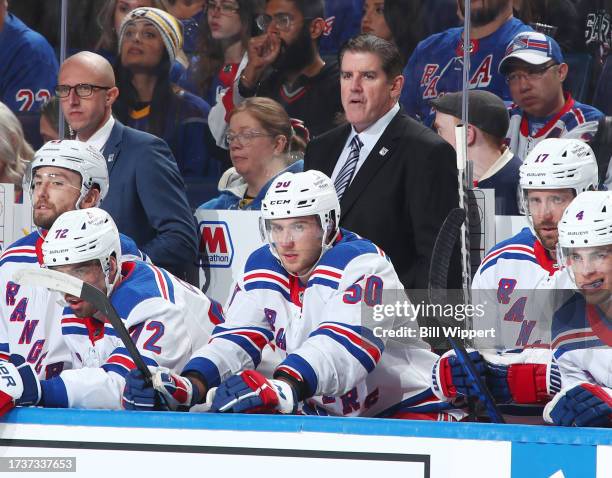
495	167
534	70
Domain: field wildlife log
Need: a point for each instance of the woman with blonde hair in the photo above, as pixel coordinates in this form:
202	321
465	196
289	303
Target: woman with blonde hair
263	143
15	152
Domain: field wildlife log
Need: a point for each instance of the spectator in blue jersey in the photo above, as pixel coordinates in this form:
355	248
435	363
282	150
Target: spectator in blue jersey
263	144
342	21
495	167
28	66
436	66
15	152
149	41
191	13
147	196
534	70
397	21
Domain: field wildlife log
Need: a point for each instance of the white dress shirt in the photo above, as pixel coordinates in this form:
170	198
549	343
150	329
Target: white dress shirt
99	138
369	137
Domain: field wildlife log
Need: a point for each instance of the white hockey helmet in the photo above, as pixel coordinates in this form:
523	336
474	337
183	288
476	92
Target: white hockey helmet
586	222
558	163
76	156
83	235
302	194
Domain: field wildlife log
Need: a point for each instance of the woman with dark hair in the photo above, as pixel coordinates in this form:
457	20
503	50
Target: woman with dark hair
109	19
222	45
149	41
397	21
263	143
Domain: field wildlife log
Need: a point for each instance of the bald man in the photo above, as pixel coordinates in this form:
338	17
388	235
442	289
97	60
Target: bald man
147	196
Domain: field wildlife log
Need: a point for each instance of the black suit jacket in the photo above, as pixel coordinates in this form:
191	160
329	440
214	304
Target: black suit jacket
400	196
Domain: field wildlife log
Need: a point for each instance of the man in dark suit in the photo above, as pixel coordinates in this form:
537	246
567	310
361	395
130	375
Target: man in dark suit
397	179
146	197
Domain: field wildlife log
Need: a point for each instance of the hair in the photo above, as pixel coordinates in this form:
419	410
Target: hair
128	96
310	8
404	20
106	20
50	110
275	121
15	151
210	51
388	52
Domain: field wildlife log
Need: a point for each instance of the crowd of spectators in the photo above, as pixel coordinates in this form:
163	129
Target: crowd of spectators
223	95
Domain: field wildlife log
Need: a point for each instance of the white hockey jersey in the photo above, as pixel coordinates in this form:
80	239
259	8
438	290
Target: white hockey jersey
167	318
344	368
575	120
582	343
513	272
30	316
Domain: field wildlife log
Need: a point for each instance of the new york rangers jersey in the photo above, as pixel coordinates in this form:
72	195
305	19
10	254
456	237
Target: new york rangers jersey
575	120
513	272
436	67
344	367
30	316
168	320
28	67
582	343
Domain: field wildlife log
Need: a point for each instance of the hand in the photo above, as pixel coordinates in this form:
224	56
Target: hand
583	405
251	392
262	50
529	383
450	378
19	384
167	391
140	395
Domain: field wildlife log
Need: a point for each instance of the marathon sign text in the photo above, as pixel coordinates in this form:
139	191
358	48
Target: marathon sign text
216	246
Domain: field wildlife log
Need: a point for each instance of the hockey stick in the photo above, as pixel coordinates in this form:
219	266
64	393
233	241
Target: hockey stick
68	284
438	275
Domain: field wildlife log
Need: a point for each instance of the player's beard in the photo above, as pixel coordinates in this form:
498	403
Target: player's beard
481	16
297	55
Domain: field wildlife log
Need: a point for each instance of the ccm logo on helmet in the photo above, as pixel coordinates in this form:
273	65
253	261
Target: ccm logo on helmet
280	201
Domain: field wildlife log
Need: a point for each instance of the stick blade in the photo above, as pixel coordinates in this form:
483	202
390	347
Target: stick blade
54	280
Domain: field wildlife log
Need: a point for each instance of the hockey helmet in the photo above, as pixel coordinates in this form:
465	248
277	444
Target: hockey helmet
83	235
76	156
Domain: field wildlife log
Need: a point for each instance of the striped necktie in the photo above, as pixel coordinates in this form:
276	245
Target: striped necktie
348	170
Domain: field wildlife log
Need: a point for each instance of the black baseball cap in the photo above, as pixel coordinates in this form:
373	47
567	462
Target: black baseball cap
486	110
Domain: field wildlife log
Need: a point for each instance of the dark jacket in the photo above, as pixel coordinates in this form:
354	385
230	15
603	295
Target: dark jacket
147	198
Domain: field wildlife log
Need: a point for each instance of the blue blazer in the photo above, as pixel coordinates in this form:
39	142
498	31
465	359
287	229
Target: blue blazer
147	198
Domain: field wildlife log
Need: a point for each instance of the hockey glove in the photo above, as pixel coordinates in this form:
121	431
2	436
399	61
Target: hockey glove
528	383
19	384
168	391
450	378
251	392
583	405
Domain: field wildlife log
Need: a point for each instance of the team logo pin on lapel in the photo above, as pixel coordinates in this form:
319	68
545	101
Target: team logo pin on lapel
383	151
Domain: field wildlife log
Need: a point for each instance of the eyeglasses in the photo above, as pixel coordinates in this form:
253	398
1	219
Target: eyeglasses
225	8
514	78
82	90
283	21
244	138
